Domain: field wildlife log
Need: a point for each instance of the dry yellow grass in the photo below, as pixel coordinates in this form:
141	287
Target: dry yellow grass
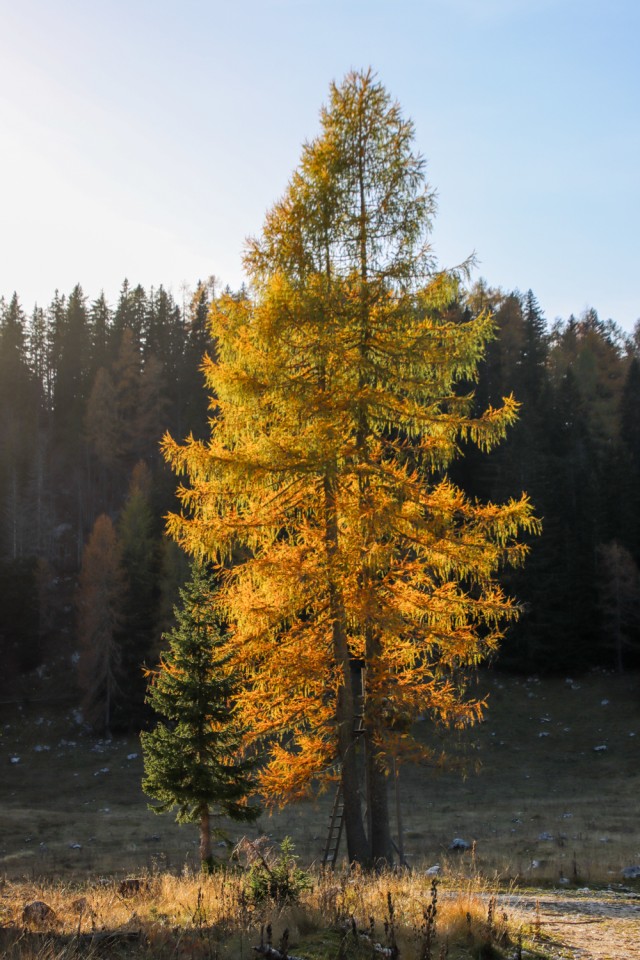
194	916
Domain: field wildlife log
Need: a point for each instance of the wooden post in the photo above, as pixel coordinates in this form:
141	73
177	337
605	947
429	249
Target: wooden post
396	782
368	813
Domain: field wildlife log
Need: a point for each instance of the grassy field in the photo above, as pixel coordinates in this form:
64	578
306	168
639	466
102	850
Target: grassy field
550	795
549	799
345	916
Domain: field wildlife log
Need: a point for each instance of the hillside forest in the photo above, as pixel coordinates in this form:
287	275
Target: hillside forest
88	389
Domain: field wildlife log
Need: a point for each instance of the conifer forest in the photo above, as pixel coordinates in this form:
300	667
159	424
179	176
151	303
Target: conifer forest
100	400
89	388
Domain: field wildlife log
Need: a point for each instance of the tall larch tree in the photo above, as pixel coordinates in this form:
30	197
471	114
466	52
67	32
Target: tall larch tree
363	566
193	757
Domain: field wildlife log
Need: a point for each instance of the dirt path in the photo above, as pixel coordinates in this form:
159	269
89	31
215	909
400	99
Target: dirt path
588	926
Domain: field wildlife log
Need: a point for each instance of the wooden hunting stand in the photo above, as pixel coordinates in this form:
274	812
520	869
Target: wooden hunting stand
336	819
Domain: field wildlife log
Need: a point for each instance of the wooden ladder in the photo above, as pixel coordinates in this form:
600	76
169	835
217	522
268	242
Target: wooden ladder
336	820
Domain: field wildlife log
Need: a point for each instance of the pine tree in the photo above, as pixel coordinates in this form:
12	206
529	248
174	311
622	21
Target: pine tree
338	416
99	602
192	758
71	379
19	405
100	320
619	595
194	404
138	635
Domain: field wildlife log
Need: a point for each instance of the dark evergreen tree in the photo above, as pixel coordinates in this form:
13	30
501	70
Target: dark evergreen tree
535	347
99	602
137	635
619	593
198	343
72	373
19	407
193	758
100	321
630	411
56	314
130	314
38	354
628	499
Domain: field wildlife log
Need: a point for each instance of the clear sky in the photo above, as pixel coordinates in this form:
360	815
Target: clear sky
146	138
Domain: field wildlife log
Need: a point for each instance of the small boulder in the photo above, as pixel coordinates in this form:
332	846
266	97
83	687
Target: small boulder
631	873
458	844
433	871
131	886
39	914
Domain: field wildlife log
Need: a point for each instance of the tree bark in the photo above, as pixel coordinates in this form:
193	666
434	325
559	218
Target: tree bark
378	802
380	843
357	846
205	836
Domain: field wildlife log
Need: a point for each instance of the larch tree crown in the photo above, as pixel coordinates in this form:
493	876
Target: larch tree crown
341	389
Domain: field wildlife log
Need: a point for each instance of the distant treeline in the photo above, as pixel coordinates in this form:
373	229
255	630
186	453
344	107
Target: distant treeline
87	390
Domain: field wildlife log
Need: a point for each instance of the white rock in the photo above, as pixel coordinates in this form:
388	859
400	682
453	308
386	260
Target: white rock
15	759
132	756
433	871
458	844
600	748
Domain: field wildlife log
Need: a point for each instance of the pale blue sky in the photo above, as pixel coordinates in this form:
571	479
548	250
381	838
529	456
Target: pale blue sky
147	139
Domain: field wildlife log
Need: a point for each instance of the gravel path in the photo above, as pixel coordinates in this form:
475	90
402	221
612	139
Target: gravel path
589	926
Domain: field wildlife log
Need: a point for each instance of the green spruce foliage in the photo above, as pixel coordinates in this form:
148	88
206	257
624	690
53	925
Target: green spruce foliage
193	757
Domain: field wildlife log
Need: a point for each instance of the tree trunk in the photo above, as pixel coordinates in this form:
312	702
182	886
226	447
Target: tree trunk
380	848
205	836
380	844
357	846
378	806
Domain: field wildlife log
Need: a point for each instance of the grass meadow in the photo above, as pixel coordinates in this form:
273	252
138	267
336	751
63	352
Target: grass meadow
544	792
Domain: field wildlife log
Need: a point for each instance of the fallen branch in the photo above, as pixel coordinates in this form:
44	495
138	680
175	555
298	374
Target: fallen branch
267	950
273	954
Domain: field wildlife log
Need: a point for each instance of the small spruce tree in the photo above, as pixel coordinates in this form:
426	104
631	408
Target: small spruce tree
193	760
